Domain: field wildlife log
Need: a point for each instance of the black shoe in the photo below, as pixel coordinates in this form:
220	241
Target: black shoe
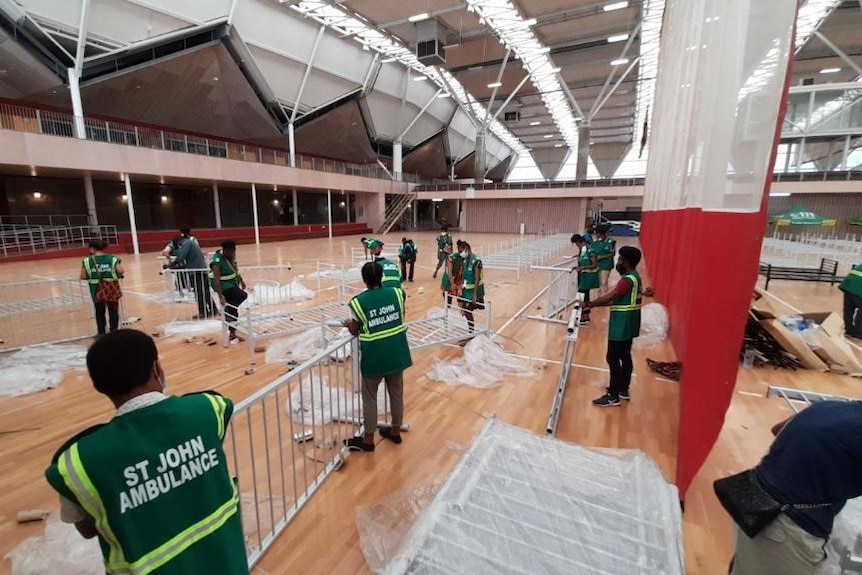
358	444
607	400
625	395
386	433
585	322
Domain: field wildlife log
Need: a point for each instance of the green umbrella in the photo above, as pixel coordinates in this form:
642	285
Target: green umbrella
799	216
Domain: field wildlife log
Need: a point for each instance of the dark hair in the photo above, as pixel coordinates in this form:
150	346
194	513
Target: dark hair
372	274
185	230
631	255
98	244
404	240
362	239
466	245
444	228
459	243
121	361
228	245
177	240
577	238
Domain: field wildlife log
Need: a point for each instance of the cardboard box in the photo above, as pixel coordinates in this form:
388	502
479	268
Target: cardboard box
793	343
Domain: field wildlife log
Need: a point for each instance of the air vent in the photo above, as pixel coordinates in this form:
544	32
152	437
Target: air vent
430	39
512	116
806	82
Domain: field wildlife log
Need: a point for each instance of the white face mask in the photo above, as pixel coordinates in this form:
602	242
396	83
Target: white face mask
163	381
464	255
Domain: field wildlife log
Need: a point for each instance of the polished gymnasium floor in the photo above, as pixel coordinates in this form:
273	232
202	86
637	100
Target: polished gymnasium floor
443	419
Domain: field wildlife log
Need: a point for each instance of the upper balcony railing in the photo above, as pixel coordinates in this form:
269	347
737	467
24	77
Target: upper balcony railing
26	118
824	110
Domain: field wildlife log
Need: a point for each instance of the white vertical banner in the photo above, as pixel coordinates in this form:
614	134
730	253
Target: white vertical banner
254	211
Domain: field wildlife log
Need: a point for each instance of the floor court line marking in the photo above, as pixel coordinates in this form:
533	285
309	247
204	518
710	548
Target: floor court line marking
750	393
781	301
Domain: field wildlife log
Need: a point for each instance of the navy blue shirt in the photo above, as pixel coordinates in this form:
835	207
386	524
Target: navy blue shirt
817	458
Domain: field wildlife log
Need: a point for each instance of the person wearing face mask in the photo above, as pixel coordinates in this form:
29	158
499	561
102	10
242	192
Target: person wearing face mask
623	326
473	294
452	275
152	483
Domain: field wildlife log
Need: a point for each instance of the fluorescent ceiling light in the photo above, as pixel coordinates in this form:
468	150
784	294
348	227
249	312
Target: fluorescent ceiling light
618	38
535	123
419	17
388	60
546	136
436	199
830	70
558	145
779	195
495	84
619	62
444	95
420	78
615	6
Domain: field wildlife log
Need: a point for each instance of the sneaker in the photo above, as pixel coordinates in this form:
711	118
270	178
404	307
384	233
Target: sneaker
358	444
585	322
607	400
625	395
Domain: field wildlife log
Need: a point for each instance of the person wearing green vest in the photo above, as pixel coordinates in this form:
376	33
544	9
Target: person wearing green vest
372	245
228	284
98	268
407	255
152	483
391	273
588	274
852	288
452	275
384	354
623	326
473	293
444	248
605	249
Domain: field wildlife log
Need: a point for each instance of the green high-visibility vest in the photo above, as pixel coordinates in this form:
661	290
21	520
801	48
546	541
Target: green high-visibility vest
589	279
228	271
383	347
446	282
470	266
852	284
372	244
100	268
625	320
444	243
157	484
605	247
391	273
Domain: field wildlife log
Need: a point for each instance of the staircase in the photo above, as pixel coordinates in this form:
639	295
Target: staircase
394	210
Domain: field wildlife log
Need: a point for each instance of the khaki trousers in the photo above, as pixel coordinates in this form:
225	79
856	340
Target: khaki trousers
783	548
603	281
395	389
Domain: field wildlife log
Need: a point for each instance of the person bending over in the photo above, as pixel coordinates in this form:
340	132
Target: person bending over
372	245
228	284
378	320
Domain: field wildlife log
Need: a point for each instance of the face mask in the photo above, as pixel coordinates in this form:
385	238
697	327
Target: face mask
163	381
464	255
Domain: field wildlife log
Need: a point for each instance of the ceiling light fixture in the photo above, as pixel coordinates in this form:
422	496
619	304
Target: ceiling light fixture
164	199
619	62
558	145
495	84
615	6
388	60
830	70
547	136
275	202
124	197
37	195
444	95
420	78
535	123
617	38
419	17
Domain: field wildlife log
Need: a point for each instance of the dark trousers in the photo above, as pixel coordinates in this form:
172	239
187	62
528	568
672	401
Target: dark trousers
201	284
853	315
113	309
233	299
585	313
620	363
405	264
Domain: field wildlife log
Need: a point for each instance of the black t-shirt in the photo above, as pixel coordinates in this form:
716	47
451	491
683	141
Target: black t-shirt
817	458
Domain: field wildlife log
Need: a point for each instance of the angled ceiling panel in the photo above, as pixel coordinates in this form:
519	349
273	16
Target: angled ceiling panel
390	80
466	167
386	114
343	58
550	160
608	157
339	134
23	75
267	23
428	159
128	22
283	75
322	88
498	172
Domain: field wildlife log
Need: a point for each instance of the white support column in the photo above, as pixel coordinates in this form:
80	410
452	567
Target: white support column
133	224
295	208
216	205
291	142
77	107
396	160
90	197
254	210
347	206
414	207
846	152
329	210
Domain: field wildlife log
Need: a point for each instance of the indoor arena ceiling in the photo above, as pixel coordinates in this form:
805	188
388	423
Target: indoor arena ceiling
344	72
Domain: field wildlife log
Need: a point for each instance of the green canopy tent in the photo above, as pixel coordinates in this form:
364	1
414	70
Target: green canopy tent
799	216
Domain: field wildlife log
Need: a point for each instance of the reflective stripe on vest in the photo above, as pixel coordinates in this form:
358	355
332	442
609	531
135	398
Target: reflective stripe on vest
228	277
90	271
366	334
856	273
75	477
633	304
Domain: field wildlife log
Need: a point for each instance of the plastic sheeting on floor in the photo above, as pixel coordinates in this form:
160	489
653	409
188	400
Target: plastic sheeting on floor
200	327
33	369
654	325
485	364
519	503
60	550
305	345
348	275
265	293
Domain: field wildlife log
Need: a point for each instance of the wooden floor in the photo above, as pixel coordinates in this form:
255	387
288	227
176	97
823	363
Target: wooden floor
443	419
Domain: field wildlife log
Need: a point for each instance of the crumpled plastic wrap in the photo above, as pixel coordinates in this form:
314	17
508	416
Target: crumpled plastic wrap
262	513
348	275
265	293
846	535
305	345
37	368
654	325
804	328
383	525
316	403
60	550
454	318
520	503
485	364
198	327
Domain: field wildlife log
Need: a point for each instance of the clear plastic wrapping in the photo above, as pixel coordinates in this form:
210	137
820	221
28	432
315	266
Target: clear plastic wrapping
654	325
60	550
33	369
315	403
485	364
846	537
191	328
519	503
305	345
264	293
